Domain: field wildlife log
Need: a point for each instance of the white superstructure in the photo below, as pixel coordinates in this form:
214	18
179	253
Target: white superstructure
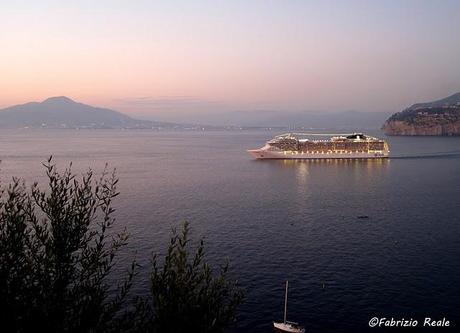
342	146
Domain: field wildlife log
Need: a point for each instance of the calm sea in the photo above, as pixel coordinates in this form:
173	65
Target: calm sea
279	220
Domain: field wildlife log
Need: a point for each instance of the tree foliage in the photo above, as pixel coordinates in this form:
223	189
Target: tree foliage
58	248
56	252
186	295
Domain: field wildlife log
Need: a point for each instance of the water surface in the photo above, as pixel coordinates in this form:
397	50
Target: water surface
279	220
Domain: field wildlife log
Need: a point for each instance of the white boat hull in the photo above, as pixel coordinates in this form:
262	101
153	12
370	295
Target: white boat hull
295	155
286	327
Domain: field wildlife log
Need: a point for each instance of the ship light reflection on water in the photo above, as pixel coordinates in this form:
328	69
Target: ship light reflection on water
303	168
302	173
369	163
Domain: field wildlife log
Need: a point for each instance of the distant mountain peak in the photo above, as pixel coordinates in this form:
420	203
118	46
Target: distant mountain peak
58	99
455	96
63	112
448	101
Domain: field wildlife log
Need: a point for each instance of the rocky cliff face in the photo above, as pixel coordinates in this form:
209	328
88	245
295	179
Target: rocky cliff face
433	118
397	127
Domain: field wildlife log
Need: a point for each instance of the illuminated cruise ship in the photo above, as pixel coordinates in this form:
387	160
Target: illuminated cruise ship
343	146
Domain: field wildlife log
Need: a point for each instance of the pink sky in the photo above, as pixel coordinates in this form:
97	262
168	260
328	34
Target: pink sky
209	56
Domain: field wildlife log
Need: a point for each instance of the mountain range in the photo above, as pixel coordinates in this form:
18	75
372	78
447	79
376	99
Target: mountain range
62	112
346	120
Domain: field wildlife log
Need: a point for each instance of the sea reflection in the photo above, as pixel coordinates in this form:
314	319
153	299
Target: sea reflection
355	163
303	168
363	170
302	173
305	180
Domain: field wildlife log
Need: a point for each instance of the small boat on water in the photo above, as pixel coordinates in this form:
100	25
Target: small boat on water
288	326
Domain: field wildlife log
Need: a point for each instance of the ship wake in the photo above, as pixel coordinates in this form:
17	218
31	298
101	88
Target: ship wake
450	154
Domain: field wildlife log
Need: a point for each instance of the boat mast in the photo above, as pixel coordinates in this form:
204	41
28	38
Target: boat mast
285	301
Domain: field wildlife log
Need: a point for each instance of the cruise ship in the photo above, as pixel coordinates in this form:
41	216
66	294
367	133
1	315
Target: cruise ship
338	146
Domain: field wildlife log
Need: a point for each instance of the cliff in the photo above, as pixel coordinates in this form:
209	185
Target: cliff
440	118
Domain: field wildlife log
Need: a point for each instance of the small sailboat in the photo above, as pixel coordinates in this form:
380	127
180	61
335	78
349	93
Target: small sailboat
288	326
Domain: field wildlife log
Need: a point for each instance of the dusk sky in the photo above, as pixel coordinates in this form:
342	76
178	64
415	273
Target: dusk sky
157	57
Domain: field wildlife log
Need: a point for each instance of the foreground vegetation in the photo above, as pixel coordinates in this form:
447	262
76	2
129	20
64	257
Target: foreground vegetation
58	248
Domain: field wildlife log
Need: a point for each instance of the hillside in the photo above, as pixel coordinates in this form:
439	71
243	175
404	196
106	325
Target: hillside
439	118
444	102
62	112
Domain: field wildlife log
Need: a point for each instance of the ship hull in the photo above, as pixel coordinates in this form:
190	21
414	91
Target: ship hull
261	154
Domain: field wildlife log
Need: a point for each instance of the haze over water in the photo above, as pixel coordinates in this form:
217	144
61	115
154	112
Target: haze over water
279	220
